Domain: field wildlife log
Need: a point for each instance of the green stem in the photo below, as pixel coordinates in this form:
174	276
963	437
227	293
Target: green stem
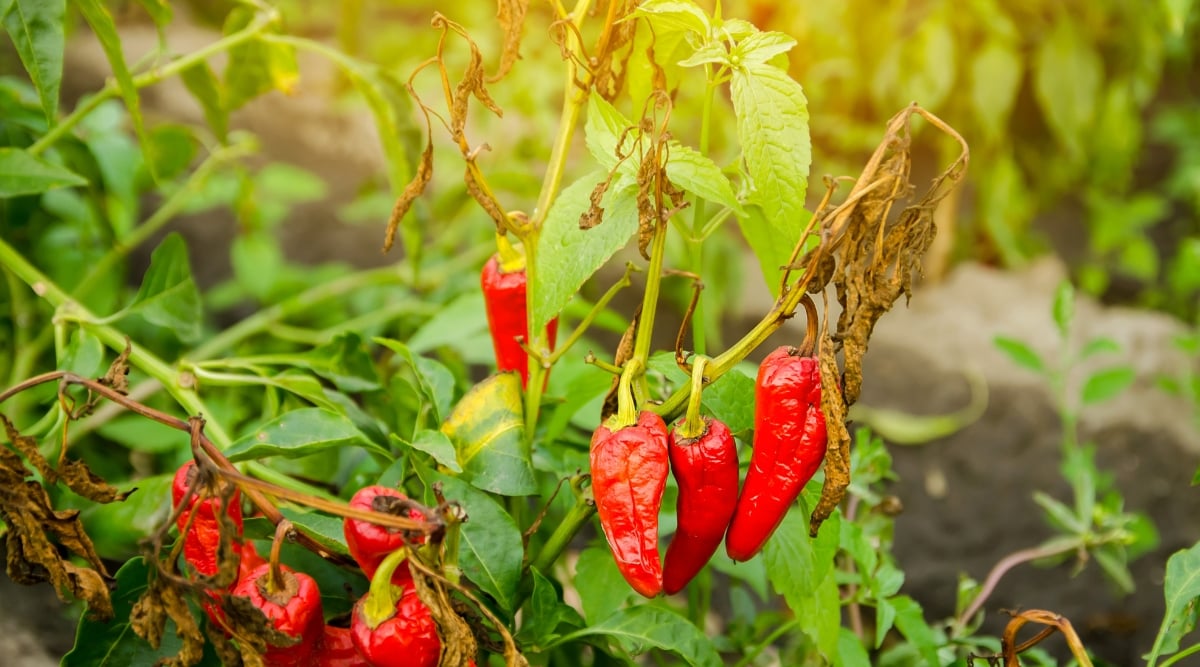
694	241
380	603
1194	648
576	518
112	90
779	632
23	358
593	313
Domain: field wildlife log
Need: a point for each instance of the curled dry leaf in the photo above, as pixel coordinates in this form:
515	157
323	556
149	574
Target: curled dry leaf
510	14
32	555
608	63
624	353
117	376
837	455
75	474
411	191
167	598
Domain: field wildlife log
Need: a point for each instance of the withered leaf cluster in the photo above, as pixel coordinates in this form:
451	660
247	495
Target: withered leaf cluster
510	14
875	259
38	534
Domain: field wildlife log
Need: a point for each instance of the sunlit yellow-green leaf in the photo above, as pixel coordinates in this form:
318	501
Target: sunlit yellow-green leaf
488	432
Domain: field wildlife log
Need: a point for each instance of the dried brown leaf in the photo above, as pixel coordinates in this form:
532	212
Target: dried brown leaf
837	456
458	642
411	191
595	213
624	353
117	376
510	14
167	597
75	474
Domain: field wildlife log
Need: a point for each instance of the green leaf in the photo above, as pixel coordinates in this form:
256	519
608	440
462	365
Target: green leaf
435	381
488	432
1139	258
1100	345
1061	516
602	589
84	354
544	613
159	11
113	643
697	174
202	83
345	362
300	433
772	128
435	444
491	550
910	620
759	47
885	616
819	617
1115	563
168	296
796	563
142	435
22	173
1181	588
256	66
457	326
639	629
1106	384
674	15
1177	15
996	72
326	530
567	255
1020	353
731	399
36	29
373	84
850	651
1068	74
116	528
258	263
1064	307
106	31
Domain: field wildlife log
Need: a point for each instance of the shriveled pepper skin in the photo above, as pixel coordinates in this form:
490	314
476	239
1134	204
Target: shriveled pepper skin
370	543
706	468
504	294
789	445
629	473
336	649
407	639
203	537
298	615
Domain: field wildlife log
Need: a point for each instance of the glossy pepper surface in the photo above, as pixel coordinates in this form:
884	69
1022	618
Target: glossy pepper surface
370	543
629	469
294	610
203	537
789	445
391	626
706	468
504	294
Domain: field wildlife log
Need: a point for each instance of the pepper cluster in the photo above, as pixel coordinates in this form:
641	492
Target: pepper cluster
630	463
389	626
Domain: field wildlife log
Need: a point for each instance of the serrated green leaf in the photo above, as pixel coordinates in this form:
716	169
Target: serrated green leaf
674	15
24	174
759	47
490	551
1106	384
102	24
435	444
435	381
544	613
1020	353
168	296
772	128
256	66
885	616
639	629
488	433
300	433
796	563
567	255
996	72
202	83
819	617
698	175
1068	74
84	354
602	589
1181	588
37	28
850	651
731	399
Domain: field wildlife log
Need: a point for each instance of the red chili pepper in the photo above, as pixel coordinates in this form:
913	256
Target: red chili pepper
706	468
337	649
370	543
248	561
789	445
504	293
390	625
629	473
293	606
203	537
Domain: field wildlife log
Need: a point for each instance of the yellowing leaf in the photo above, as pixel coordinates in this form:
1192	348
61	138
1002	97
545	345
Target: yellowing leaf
488	432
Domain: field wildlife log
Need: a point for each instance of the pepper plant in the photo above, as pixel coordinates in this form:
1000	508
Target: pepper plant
341	384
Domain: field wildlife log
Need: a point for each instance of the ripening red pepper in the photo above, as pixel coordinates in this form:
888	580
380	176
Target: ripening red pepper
292	604
789	445
337	649
504	294
629	473
706	468
203	537
370	543
391	626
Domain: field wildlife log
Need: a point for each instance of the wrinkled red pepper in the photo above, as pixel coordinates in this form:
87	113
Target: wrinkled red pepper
292	604
629	469
370	543
789	445
706	468
504	294
203	538
391	626
337	649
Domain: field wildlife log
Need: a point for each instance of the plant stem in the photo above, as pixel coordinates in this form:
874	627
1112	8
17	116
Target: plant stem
779	632
999	570
111	89
556	544
694	241
593	313
1194	648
